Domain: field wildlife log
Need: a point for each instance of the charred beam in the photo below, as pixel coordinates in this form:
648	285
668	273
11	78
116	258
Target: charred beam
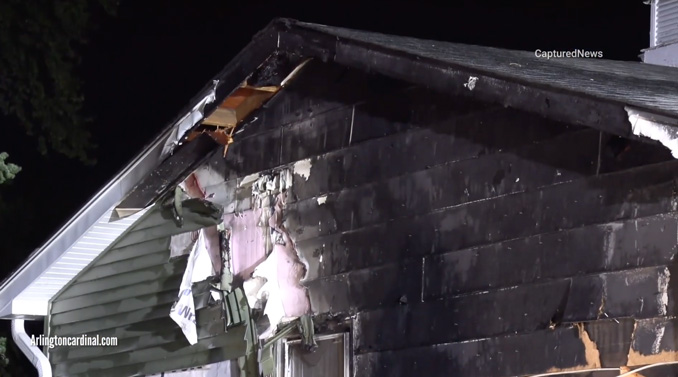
168	174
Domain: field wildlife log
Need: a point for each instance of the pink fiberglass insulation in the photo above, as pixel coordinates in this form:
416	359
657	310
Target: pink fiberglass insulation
283	270
194	189
248	248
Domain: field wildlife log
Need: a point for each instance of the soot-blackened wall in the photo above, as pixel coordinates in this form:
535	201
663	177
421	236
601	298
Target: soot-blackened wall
468	239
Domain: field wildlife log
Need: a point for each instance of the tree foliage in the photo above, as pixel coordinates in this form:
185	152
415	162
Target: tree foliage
7	170
4	360
40	42
10	360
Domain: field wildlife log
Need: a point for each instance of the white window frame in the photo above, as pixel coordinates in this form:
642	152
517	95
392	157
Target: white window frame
283	352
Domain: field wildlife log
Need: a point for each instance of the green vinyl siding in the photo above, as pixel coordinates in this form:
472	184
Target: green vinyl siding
127	292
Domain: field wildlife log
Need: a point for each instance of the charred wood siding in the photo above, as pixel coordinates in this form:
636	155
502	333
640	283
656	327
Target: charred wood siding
127	292
468	240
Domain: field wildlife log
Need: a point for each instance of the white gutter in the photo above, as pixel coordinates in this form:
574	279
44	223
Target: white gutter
116	189
102	203
655	127
33	353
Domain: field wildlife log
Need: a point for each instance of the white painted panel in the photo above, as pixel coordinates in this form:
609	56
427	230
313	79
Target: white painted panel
666	22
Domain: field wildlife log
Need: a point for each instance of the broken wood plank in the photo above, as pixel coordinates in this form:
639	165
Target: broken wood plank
238	106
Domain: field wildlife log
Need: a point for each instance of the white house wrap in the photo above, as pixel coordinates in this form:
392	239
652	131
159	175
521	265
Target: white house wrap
198	268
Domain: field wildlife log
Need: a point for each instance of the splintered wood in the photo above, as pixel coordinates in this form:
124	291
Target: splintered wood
236	107
239	105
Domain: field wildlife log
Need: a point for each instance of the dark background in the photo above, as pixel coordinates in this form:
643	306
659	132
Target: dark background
143	65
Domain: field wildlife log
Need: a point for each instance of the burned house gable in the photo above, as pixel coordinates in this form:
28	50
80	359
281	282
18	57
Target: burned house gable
458	207
402	207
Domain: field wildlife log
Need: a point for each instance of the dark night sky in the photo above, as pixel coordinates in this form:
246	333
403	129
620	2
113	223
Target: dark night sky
143	65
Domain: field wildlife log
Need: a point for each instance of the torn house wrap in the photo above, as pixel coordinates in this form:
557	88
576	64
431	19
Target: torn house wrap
188	121
198	268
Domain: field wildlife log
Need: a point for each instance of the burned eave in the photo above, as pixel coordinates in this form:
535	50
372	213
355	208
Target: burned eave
592	97
222	115
553	97
168	174
398	222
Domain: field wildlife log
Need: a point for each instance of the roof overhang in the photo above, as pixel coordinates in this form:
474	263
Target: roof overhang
515	80
33	299
509	83
26	292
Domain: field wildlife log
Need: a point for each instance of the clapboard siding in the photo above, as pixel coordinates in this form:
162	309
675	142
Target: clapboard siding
519	309
328	131
108	316
142	262
115	364
533	353
325	96
202	355
127	292
466	239
422	148
119	313
164	336
512	355
365	289
130	285
641	192
642	242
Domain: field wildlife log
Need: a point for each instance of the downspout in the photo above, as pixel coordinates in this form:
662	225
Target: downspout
33	353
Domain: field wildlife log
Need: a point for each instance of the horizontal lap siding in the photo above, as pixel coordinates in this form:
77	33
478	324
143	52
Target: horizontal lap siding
127	293
466	239
642	242
517	309
564	348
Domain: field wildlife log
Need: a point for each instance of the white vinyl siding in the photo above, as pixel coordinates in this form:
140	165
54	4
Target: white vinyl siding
665	22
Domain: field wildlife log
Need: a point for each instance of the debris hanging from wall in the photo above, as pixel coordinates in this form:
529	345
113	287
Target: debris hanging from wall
196	187
182	244
199	268
259	251
188	121
471	84
303	168
285	297
246	242
267	187
263	254
251	236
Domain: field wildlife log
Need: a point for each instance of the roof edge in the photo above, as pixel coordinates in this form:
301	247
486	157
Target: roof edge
98	206
294	37
262	45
